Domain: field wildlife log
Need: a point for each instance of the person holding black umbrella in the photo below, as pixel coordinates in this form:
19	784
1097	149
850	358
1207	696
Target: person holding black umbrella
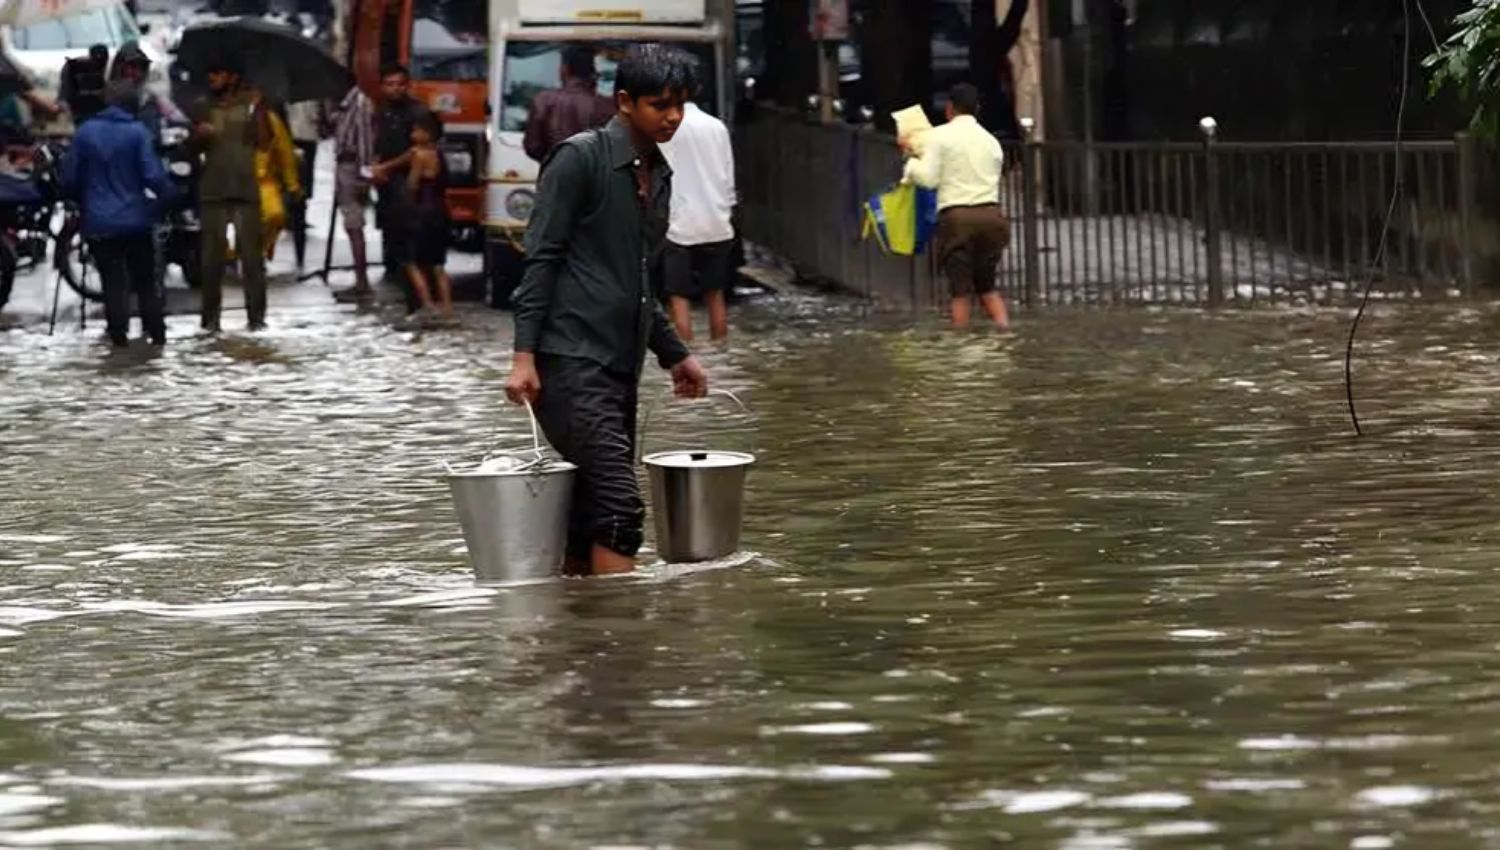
229	193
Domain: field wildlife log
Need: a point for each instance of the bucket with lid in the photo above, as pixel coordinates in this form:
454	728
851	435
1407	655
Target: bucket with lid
513	507
698	501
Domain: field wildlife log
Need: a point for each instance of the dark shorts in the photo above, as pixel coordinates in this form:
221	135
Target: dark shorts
588	414
689	271
427	244
969	242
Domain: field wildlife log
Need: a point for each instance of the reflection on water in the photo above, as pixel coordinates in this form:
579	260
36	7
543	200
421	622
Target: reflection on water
1120	580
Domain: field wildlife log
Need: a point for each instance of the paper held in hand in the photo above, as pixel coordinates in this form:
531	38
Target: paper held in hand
912	127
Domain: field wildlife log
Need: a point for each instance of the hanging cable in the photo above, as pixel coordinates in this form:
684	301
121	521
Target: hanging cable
1390	213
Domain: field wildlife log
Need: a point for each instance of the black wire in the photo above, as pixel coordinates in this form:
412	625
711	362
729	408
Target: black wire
1390	214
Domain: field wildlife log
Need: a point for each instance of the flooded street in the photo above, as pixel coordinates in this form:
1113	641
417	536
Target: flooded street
1121	580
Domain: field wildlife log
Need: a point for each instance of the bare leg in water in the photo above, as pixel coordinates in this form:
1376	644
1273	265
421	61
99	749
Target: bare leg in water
419	284
602	561
994	305
960	311
718	315
605	561
361	261
445	290
682	318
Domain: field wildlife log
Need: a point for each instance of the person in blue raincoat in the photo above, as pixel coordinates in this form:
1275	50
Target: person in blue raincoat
110	168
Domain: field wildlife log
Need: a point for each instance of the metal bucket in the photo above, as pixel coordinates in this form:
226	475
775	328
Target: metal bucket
514	511
515	522
698	500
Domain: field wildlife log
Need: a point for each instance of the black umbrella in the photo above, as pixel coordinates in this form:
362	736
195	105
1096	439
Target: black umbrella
276	58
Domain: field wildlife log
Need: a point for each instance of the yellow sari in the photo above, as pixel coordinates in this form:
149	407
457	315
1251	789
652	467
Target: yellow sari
276	172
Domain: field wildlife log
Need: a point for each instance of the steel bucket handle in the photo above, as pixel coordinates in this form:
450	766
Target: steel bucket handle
536	451
640	442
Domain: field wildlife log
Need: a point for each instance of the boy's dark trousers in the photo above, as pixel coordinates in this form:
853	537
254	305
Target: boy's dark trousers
127	266
588	414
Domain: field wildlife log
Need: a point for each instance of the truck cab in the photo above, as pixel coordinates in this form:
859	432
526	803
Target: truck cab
527	40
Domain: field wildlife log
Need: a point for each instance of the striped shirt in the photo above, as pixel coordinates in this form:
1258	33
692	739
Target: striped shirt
355	133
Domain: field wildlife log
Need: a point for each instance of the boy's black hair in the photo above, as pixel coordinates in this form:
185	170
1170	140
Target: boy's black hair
579	60
390	68
650	69
965	99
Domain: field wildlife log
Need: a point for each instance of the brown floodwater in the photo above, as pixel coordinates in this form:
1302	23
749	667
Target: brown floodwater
1122	579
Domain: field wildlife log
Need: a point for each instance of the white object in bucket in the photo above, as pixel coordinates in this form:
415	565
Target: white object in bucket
698	499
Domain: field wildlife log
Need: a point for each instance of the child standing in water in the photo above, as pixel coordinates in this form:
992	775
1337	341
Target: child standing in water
427	223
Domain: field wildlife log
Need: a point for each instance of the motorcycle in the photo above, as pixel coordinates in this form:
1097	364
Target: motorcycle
183	243
30	209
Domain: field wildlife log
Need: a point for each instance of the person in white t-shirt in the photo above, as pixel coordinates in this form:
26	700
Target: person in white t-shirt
700	238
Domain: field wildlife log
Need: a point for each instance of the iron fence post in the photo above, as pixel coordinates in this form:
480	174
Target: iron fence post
1030	247
1212	237
1466	205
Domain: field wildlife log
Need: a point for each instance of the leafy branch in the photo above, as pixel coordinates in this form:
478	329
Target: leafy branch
1469	64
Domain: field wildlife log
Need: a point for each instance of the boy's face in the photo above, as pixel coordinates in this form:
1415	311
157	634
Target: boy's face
655	117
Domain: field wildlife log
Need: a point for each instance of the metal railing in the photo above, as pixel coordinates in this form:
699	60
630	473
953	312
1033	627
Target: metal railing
1208	223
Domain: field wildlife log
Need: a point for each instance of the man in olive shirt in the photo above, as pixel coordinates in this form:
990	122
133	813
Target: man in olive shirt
229	194
586	313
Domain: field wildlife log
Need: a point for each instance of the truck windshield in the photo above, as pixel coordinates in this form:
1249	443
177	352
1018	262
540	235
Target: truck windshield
448	40
111	26
534	67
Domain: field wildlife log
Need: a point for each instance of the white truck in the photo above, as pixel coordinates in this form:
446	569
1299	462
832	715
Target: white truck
527	38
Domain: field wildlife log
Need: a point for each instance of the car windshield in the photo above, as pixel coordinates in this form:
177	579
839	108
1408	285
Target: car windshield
534	67
110	26
448	40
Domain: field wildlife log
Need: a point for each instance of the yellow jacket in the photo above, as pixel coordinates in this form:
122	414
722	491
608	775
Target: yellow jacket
276	172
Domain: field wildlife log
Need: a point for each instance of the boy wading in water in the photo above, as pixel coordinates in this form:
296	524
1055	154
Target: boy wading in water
586	312
427	222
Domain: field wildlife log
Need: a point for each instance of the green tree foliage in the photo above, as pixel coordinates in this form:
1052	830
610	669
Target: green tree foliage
1468	63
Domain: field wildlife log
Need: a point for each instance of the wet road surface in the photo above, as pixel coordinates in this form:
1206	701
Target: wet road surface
1120	580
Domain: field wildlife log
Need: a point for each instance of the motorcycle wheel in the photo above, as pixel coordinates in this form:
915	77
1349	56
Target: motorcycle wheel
74	262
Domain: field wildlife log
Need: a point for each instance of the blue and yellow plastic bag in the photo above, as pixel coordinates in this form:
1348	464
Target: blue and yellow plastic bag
902	218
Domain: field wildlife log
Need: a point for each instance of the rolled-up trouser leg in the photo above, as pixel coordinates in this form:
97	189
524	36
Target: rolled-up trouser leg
588	414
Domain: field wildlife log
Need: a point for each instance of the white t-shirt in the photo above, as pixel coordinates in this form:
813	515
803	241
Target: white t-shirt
703	191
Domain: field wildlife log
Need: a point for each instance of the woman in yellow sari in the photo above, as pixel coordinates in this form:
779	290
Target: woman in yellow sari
276	172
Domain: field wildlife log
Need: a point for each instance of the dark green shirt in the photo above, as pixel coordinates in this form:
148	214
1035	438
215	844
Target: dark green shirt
229	155
591	247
